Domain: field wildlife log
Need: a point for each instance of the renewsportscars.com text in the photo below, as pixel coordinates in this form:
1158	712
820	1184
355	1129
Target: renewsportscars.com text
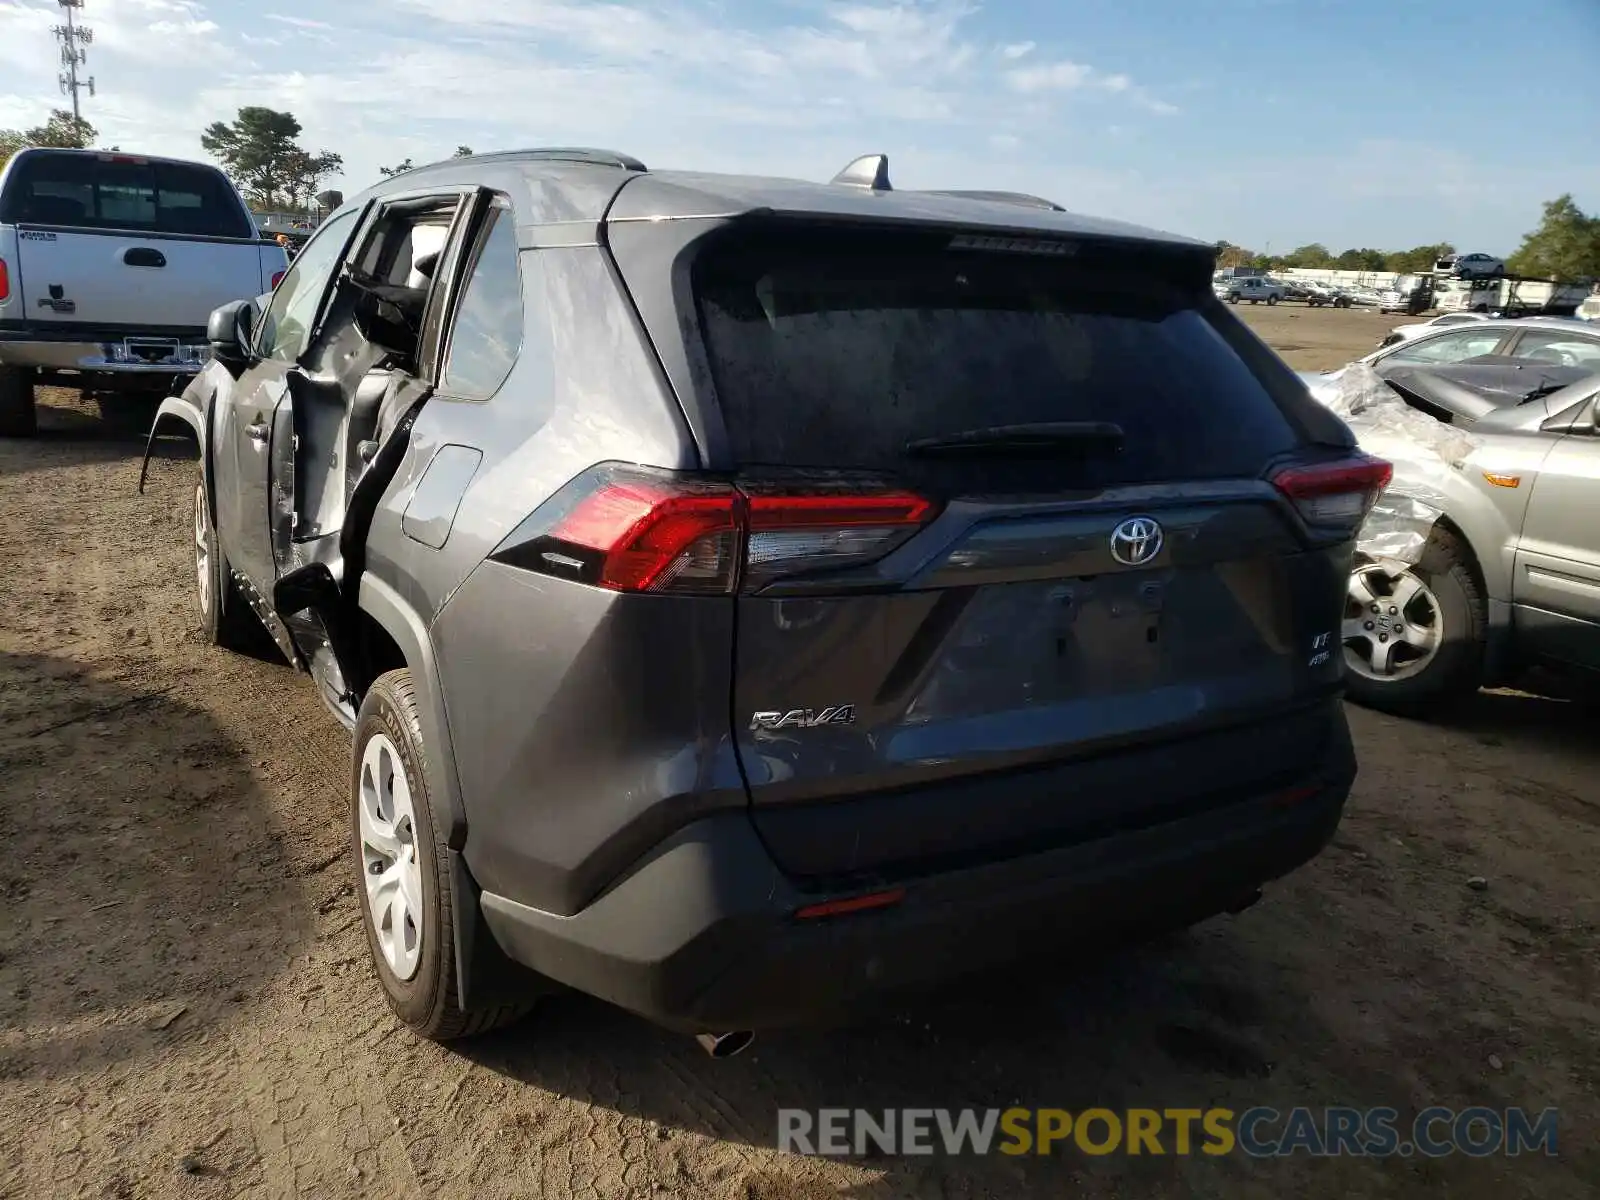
1257	1132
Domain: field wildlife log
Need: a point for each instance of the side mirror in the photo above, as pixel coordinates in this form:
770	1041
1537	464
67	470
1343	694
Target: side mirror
229	329
1575	418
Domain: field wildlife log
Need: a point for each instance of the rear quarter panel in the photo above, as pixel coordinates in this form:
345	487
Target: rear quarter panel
542	682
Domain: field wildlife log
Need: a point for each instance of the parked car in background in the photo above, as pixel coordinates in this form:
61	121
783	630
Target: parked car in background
1471	266
1589	310
110	265
1563	343
1401	333
1256	289
763	697
1329	294
1509	574
1465	393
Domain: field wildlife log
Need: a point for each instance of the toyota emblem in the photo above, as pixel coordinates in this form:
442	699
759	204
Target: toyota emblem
1136	541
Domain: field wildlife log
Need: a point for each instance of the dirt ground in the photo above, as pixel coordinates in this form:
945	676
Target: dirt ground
186	1008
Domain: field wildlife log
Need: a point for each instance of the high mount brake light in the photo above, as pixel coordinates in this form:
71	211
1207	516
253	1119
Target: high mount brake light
632	531
1335	493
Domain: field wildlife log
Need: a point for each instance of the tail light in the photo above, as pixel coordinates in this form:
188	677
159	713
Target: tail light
277	278
792	533
5	281
631	530
1339	493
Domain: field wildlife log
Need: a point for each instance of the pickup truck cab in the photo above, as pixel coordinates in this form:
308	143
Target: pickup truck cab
1255	288
110	265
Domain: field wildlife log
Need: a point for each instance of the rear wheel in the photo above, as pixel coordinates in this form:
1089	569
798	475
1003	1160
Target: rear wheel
225	618
1233	299
126	414
400	856
19	416
1414	636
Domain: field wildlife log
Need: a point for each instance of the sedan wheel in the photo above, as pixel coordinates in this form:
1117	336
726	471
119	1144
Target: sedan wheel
1393	624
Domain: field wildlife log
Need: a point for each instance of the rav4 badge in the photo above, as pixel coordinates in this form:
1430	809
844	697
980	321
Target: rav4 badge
805	718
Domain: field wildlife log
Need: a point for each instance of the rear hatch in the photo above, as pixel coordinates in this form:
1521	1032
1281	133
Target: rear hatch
1017	572
114	240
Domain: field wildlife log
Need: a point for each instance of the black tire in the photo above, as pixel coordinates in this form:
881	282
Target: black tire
428	1001
225	617
1272	300
1233	299
1456	670
126	414
19	413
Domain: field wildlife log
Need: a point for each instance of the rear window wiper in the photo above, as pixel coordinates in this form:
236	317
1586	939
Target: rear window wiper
1041	437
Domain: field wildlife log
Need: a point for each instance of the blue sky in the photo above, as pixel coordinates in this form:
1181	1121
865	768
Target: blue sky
1387	123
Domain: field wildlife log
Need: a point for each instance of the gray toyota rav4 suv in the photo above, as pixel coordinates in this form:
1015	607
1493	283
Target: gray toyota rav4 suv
751	598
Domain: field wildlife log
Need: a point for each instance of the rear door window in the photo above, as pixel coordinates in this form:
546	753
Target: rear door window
87	191
834	351
488	322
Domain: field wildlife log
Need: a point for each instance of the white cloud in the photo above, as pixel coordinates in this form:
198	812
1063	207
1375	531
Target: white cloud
1051	77
1059	77
298	22
792	89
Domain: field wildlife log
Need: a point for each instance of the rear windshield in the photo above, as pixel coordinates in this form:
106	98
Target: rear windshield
90	192
834	351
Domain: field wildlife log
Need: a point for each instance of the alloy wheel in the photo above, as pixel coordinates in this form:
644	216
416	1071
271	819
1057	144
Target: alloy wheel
1393	625
389	864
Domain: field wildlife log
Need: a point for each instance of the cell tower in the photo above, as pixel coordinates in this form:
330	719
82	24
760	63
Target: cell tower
73	38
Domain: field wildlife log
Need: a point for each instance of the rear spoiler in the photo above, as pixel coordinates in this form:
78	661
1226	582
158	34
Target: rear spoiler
871	171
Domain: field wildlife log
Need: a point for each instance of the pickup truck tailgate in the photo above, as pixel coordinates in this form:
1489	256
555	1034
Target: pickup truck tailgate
88	277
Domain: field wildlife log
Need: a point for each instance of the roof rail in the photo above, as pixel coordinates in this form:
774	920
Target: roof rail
571	154
1021	198
870	171
586	154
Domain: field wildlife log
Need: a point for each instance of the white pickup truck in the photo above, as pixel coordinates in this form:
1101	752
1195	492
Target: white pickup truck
110	265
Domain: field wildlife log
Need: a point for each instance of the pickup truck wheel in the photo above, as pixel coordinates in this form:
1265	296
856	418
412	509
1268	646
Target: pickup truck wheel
126	414
1271	300
1233	299
225	618
1414	637
19	415
400	857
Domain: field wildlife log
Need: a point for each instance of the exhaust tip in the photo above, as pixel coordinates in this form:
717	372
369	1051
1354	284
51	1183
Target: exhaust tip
725	1045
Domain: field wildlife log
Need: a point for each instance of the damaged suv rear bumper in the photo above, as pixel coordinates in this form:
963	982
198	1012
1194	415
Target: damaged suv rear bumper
703	934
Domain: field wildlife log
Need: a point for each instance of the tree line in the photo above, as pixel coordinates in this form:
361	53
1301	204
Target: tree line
1565	245
260	151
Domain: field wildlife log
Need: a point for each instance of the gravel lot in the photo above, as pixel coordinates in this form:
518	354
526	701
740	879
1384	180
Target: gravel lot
186	1009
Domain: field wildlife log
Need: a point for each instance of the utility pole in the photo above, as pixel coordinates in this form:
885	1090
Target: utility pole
73	38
